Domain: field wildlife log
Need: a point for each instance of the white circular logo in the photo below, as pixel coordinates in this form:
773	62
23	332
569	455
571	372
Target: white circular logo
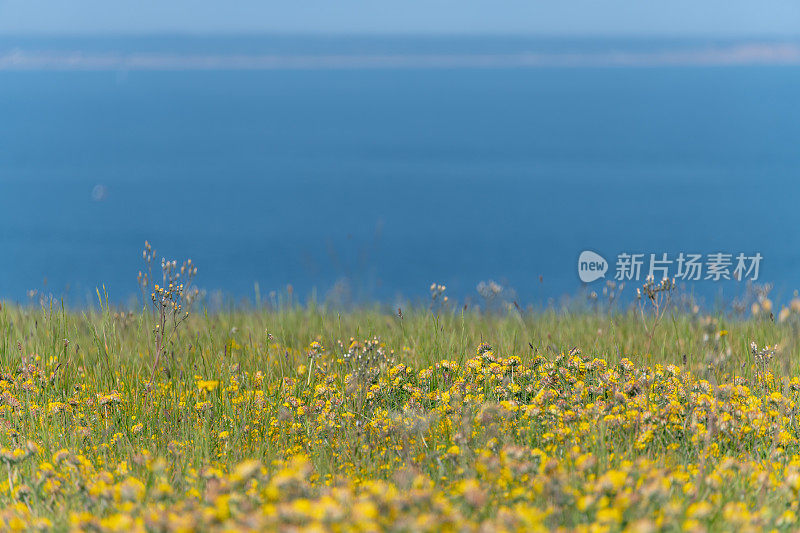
591	266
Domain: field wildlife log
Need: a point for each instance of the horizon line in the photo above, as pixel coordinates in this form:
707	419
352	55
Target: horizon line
738	54
689	36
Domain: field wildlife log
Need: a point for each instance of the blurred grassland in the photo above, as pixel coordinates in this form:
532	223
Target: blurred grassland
116	345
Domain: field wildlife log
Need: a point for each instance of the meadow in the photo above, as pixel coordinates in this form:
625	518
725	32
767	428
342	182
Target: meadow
437	418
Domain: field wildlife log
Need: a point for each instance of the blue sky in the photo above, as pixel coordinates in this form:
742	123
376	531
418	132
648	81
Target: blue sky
551	17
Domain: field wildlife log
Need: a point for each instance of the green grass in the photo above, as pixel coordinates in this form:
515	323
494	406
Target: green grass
102	339
81	382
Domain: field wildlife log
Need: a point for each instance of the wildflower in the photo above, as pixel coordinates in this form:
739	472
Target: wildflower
207	385
111	398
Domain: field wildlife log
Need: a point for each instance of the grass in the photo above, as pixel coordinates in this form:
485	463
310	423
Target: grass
304	417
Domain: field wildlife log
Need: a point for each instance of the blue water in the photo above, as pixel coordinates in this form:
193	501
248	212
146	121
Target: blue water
393	179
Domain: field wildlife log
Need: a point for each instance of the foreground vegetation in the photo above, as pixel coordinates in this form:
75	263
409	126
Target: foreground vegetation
304	418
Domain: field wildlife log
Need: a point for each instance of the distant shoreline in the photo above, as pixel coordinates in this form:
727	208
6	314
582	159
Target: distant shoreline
278	53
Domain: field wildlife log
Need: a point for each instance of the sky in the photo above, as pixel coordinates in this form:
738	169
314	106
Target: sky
713	18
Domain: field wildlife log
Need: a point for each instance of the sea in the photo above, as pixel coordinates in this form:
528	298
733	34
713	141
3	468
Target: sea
362	170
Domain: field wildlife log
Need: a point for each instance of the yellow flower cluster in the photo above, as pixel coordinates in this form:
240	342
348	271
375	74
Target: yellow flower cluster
359	439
